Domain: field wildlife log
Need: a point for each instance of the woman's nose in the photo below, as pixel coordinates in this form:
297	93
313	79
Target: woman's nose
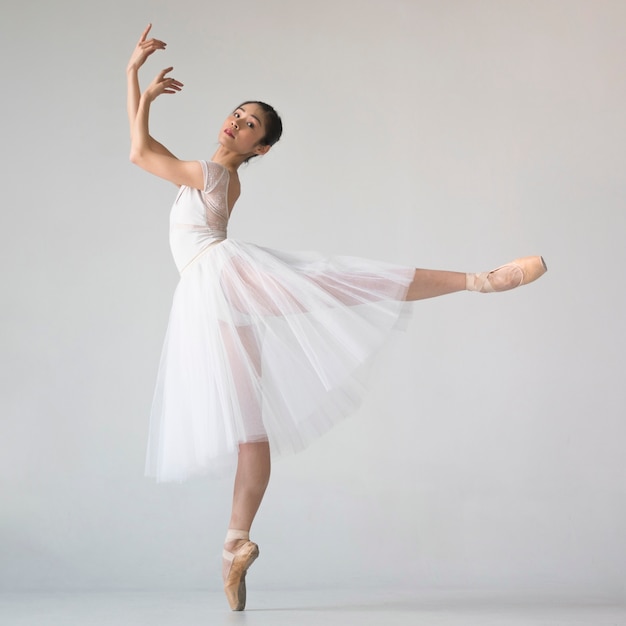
233	123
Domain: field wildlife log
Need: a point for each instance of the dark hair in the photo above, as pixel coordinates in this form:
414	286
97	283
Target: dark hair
273	123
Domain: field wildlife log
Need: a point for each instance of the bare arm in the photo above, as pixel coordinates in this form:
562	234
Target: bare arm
145	155
144	48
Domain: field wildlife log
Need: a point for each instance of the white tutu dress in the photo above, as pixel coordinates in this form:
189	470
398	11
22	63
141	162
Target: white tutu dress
261	345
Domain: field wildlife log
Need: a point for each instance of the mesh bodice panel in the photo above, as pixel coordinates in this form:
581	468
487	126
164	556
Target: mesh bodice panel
199	218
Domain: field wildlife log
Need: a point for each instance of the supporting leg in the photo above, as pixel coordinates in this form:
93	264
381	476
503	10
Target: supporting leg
251	480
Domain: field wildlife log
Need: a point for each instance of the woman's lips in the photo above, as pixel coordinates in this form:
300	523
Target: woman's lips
229	132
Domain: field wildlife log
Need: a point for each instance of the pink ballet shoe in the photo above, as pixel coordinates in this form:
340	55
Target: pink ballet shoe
235	579
514	274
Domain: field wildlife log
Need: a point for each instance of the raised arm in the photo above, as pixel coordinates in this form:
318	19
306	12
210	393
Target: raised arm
144	48
143	153
147	152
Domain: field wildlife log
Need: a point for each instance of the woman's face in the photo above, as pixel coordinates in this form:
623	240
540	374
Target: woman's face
243	130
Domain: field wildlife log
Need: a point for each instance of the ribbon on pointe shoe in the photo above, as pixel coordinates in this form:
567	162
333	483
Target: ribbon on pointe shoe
240	560
524	270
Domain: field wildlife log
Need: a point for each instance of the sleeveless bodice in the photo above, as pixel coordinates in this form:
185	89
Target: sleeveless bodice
199	217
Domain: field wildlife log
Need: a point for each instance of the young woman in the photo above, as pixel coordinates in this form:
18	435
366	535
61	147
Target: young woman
263	347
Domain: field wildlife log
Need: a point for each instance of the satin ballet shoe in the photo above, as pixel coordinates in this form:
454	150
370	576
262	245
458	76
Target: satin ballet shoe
516	273
235	581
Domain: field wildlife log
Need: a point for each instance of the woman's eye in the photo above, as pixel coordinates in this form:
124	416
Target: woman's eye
236	115
250	124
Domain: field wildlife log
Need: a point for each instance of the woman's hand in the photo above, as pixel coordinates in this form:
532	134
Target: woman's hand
162	84
143	49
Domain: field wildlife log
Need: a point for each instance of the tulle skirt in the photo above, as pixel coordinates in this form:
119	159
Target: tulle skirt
264	345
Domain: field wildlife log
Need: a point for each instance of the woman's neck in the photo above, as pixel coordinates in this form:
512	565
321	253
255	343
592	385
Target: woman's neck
229	159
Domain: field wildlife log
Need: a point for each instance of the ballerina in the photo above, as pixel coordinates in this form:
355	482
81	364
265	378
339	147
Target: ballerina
263	348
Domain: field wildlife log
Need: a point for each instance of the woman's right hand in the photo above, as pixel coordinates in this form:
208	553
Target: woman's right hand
162	84
144	49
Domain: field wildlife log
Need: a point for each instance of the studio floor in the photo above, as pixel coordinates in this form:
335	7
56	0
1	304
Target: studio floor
304	608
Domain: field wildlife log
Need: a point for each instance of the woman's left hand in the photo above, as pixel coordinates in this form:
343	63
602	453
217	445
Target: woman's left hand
144	48
162	84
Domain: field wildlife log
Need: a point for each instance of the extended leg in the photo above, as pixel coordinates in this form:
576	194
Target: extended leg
433	283
514	274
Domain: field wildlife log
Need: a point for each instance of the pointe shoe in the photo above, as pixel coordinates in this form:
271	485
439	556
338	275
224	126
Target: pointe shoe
235	580
515	274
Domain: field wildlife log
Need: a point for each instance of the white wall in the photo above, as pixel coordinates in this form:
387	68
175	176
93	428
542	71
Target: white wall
444	134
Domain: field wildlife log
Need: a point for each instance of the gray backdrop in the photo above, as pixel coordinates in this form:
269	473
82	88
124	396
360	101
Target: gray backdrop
447	134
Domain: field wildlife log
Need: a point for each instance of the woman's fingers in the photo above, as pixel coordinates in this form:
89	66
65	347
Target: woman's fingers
167	70
153	43
171	85
144	48
145	33
164	84
150	44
